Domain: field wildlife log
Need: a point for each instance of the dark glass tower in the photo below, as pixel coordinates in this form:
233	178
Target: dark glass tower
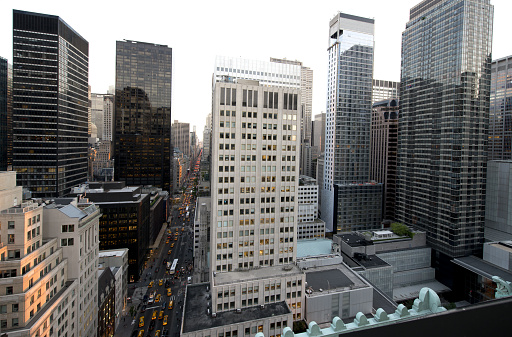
443	124
50	79
3	114
348	203
142	131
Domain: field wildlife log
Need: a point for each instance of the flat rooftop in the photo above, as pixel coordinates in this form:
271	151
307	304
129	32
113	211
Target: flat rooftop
255	274
339	276
483	268
196	317
327	280
313	247
110	253
354	240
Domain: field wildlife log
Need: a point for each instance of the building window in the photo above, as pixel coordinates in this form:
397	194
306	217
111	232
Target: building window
10	224
10	238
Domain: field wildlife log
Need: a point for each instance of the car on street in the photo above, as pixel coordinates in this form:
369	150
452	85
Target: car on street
154	315
170	304
161	314
141	333
169	292
165	320
158	297
160	282
141	321
169	252
151	284
157	333
152	325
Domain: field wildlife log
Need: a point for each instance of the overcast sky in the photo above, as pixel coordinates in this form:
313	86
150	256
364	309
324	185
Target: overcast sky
199	30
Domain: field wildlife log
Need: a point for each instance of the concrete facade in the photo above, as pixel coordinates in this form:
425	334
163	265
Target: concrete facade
117	261
36	295
77	227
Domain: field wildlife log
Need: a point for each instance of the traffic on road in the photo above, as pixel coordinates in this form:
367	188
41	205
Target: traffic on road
168	270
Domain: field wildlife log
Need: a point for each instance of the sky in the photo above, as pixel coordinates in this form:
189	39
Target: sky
199	30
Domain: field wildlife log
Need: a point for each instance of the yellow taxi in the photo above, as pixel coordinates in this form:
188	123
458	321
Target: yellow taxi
175	238
157	299
182	229
161	314
160	282
169	252
170	304
157	333
141	333
165	320
151	284
169	292
172	245
167	241
154	315
141	321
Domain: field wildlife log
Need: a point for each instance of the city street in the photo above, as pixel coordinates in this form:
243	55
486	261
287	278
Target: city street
150	298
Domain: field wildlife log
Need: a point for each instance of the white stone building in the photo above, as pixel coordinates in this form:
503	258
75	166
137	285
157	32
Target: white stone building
75	224
36	296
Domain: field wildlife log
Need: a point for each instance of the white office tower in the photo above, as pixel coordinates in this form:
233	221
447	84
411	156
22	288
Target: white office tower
255	177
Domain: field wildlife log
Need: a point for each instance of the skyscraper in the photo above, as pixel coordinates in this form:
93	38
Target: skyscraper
348	201
50	102
383	90
384	134
442	137
181	137
142	130
3	114
500	114
255	176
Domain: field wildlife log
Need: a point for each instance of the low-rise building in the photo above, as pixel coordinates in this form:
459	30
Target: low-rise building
106	303
117	261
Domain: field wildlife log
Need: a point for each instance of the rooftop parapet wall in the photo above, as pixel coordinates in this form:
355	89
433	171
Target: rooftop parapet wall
427	303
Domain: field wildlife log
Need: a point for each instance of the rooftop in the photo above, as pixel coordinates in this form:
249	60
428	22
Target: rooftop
354	240
483	268
313	247
327	280
112	252
196	316
255	274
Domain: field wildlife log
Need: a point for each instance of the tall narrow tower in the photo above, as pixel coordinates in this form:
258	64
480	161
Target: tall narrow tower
349	202
443	124
50	104
142	121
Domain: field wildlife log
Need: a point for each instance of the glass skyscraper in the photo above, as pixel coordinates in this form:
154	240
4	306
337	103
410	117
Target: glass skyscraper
500	114
3	114
50	102
443	124
142	130
347	135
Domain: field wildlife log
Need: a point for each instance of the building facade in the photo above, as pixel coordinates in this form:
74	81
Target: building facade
498	220
255	170
3	114
37	297
142	127
117	261
442	137
76	225
124	222
500	113
50	159
348	113
383	148
309	225
383	90
106	303
181	137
